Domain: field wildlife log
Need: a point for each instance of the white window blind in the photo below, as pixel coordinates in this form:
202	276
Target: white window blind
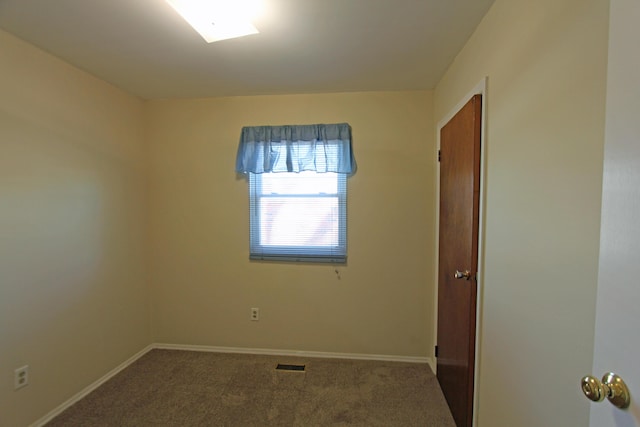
298	216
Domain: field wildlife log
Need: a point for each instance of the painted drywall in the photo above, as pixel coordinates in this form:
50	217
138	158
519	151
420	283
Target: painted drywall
73	286
617	315
546	64
203	282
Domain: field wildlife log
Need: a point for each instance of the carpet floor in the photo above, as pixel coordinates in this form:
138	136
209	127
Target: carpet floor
188	388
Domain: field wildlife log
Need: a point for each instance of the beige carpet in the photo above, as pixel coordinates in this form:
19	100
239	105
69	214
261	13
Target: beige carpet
184	388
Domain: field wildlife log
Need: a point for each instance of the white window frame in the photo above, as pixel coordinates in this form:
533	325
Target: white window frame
314	254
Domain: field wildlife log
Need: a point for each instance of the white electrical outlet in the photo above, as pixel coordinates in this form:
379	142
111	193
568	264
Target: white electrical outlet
21	377
255	314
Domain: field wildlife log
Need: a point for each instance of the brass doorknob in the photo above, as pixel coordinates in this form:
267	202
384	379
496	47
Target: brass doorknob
592	388
462	274
612	387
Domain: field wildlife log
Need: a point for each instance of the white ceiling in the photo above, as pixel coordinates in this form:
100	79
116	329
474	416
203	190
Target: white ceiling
304	46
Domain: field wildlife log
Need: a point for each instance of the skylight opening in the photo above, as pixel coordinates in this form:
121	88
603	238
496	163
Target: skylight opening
217	20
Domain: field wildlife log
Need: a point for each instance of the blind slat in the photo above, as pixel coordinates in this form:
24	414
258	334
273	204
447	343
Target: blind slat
294	219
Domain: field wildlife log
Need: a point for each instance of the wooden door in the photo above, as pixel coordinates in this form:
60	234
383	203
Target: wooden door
458	252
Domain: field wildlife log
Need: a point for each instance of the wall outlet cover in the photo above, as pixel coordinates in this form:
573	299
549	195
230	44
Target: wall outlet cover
21	377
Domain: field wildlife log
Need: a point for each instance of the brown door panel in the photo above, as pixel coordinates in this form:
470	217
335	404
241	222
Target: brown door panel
458	251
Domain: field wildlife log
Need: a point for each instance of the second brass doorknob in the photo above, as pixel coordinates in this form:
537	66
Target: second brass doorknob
612	387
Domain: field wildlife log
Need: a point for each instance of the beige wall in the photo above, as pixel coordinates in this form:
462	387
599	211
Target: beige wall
204	283
73	296
546	63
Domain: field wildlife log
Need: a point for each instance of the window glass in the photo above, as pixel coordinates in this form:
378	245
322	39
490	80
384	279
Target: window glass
298	216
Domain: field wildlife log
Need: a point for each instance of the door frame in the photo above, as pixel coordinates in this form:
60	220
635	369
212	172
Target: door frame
480	88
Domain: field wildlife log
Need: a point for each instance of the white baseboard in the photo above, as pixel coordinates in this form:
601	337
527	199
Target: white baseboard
78	396
315	354
272	352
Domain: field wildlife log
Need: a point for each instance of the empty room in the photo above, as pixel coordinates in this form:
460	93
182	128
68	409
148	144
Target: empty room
306	213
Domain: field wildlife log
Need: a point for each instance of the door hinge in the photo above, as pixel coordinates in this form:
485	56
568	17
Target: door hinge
439	155
436	351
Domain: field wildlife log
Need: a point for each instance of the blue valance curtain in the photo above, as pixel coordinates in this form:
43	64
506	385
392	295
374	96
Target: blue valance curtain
320	148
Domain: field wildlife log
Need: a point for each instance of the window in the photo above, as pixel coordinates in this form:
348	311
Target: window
297	190
298	216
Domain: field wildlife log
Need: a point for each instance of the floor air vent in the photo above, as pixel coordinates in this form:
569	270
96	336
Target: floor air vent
298	368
